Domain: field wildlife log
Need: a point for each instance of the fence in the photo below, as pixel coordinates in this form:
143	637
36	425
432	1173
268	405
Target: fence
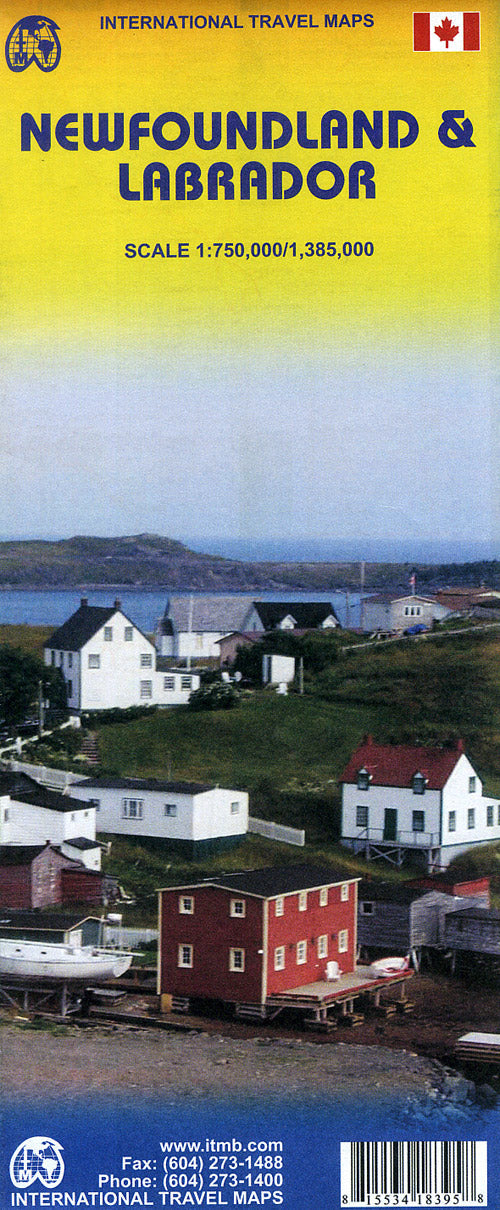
277	831
55	779
129	937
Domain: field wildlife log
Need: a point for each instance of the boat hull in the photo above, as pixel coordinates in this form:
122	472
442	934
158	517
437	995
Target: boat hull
32	960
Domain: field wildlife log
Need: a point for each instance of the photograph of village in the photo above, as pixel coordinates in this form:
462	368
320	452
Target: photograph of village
245	801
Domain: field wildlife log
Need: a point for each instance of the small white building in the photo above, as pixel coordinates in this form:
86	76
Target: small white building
194	817
32	815
278	669
393	612
399	800
108	663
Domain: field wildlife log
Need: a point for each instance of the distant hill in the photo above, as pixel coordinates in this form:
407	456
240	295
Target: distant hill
151	561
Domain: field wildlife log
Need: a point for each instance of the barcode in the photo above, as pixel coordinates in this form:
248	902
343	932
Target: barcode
413	1174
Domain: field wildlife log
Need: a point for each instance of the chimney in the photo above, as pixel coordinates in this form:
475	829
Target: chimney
460	745
84	602
118	603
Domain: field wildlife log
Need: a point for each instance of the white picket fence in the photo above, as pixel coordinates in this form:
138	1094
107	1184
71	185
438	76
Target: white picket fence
55	779
129	937
277	831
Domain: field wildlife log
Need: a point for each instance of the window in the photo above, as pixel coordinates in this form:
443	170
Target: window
108	634
302	901
52	657
169	682
361	817
170	809
128	634
185	955
146	659
279	906
235	808
367	908
237	907
146	689
471	818
186	905
363	779
94	661
301	952
323	946
6	814
69	687
186	682
61	658
418	821
323	896
452	821
489	815
279	958
472	785
343	941
70	659
418	783
344	892
132	808
236	960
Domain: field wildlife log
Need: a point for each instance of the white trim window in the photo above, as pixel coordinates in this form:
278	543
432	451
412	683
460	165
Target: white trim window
302	901
170	809
237	907
323	896
94	660
343	941
145	689
186	682
323	946
168	682
185	956
146	659
301	952
236	959
186	905
471	818
344	892
108	634
235	808
279	958
128	634
279	906
132	808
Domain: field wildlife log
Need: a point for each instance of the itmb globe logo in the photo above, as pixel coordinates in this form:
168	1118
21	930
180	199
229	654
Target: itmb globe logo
37	1159
33	40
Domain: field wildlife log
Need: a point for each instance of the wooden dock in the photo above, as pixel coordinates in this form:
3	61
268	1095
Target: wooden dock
479	1048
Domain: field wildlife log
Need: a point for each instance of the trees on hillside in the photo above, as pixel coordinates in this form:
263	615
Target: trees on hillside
21	675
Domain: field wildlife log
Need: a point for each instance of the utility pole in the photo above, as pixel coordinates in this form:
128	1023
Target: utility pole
362	594
40	708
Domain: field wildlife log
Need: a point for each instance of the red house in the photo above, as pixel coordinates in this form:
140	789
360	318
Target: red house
243	938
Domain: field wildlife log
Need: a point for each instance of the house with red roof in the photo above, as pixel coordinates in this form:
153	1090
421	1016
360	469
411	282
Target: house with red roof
401	800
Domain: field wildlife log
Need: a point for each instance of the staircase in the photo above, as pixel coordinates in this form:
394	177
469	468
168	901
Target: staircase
90	749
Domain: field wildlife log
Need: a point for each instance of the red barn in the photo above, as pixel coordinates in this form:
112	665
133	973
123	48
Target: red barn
243	938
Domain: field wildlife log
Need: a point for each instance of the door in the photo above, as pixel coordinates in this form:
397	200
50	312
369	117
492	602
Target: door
390	823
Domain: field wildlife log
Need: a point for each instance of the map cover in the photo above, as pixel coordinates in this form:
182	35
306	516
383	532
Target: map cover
249	277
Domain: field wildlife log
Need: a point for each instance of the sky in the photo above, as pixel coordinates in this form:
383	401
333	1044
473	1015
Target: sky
257	398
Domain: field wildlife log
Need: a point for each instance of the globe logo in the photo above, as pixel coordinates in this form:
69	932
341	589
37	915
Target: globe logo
33	40
39	1158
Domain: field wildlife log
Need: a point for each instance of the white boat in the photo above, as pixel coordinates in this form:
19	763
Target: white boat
384	967
60	960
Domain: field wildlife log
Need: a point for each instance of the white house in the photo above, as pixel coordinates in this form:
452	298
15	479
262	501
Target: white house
278	669
193	816
107	663
32	815
393	611
192	626
399	800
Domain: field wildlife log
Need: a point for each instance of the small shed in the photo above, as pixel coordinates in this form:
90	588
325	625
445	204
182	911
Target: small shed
475	930
278	669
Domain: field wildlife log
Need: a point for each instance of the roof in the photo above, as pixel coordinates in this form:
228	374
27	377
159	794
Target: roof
36	919
219	614
477	913
371	890
279	880
82	842
306	614
83	625
21	788
388	598
145	783
17	854
396	764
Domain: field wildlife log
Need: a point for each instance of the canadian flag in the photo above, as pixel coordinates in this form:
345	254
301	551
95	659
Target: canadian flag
446	31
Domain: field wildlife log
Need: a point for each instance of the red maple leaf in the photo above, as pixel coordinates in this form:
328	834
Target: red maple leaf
446	31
